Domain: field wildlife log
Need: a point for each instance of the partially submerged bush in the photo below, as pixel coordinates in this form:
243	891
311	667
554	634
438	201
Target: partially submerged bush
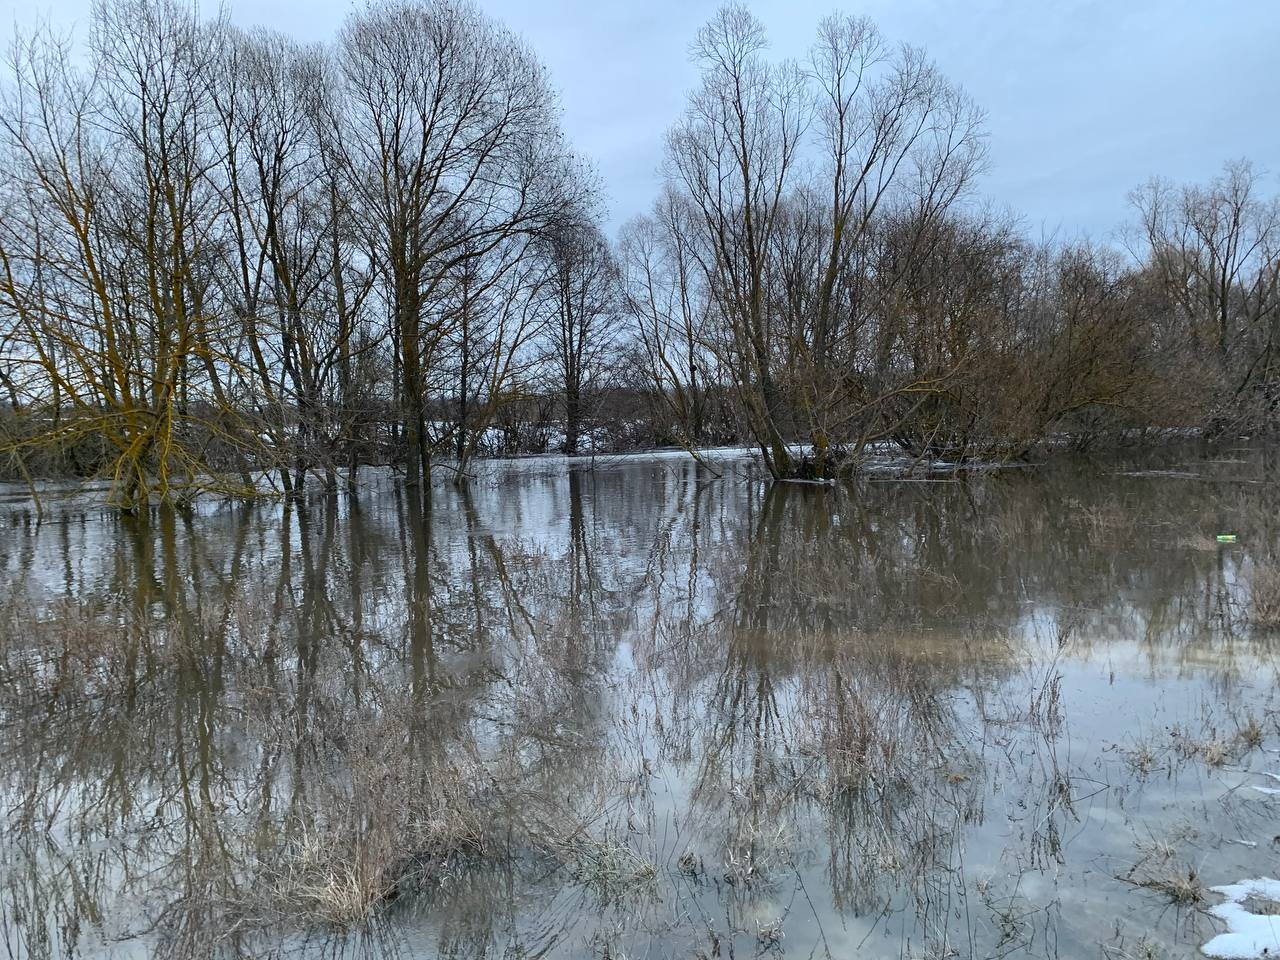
1264	595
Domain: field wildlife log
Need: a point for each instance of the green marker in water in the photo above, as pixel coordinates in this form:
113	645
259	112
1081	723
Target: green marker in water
1226	538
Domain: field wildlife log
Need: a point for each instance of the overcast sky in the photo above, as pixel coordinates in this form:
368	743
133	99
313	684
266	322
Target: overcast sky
1085	98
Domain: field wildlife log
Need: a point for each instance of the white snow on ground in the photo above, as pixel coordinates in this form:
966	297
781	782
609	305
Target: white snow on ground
1248	935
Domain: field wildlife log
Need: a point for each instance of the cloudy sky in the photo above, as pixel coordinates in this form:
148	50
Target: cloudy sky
1085	98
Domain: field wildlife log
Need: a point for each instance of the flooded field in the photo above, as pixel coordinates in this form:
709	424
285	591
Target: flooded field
639	711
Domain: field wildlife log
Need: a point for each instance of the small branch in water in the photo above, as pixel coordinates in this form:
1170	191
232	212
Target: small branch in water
816	483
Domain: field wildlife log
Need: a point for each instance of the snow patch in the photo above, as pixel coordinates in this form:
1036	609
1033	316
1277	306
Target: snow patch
1249	934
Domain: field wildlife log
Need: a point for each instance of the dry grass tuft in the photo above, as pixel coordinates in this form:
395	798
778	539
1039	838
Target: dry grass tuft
1250	732
1211	748
1178	887
1142	757
1162	871
339	870
331	886
608	866
1215	751
1142	949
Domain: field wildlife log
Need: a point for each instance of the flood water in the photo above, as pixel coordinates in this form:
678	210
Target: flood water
638	711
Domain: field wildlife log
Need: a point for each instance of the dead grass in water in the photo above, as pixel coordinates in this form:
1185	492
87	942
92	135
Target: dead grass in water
1161	870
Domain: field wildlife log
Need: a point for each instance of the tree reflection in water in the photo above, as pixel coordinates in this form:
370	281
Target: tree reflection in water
627	711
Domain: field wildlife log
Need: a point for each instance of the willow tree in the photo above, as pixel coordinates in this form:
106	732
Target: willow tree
106	256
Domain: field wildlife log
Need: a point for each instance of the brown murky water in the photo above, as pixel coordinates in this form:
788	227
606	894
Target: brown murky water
641	712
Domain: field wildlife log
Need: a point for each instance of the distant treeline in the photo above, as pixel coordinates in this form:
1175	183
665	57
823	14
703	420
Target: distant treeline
225	254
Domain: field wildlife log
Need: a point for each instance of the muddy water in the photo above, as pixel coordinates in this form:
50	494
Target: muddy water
639	711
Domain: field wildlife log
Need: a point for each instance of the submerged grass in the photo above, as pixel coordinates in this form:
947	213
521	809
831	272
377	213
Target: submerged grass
324	884
608	866
361	846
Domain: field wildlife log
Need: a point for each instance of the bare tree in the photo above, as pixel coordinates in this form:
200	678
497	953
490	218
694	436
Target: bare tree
232	262
1216	252
583	287
665	294
493	314
733	154
452	148
789	171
